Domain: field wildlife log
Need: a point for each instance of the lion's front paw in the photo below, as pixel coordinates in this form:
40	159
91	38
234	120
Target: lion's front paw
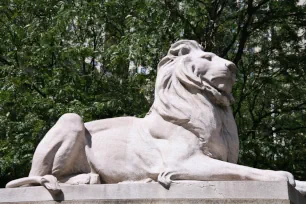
301	187
282	176
164	178
288	176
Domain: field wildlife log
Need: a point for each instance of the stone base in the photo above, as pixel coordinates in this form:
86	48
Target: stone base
179	192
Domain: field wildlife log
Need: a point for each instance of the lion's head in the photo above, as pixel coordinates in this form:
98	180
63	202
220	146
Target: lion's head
190	80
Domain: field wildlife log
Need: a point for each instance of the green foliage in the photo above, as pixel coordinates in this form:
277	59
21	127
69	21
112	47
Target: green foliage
50	50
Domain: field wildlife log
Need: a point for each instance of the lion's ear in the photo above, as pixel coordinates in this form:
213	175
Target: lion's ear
179	49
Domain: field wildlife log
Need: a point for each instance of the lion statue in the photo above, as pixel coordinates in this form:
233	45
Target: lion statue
188	134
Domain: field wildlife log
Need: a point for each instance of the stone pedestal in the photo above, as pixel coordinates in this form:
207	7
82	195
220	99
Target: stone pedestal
180	192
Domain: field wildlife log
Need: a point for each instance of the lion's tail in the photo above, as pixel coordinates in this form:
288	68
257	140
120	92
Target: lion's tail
24	181
48	181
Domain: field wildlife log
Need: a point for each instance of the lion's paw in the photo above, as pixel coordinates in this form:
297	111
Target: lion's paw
147	180
301	186
164	178
271	175
287	176
94	179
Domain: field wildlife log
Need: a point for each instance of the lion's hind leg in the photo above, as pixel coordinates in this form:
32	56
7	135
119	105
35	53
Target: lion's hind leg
70	158
146	180
60	154
88	178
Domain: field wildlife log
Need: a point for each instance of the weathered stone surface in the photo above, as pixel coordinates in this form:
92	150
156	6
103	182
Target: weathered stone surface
180	192
189	133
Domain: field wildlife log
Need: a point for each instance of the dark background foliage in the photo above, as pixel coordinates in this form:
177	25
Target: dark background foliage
74	56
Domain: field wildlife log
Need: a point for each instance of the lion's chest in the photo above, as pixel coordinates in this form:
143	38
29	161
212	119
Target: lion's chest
223	148
221	142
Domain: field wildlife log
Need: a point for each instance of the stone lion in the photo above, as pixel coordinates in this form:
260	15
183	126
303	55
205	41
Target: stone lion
188	134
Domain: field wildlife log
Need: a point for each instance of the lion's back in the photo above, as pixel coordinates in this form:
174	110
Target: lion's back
97	126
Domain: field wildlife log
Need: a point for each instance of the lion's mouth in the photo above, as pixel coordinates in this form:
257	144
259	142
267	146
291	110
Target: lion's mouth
221	92
223	83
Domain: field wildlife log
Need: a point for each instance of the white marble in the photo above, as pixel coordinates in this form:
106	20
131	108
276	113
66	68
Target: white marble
213	192
188	134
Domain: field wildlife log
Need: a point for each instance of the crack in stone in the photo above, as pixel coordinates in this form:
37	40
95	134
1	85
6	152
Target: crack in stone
214	189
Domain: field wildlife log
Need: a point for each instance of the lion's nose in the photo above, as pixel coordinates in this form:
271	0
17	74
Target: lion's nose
231	66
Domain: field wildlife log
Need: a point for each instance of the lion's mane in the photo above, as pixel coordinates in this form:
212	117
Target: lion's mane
186	99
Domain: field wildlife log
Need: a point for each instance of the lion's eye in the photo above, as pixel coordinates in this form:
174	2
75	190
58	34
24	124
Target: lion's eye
184	51
208	57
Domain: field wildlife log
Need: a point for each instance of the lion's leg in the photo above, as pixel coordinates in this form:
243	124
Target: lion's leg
203	168
61	153
301	186
88	178
61	147
71	157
